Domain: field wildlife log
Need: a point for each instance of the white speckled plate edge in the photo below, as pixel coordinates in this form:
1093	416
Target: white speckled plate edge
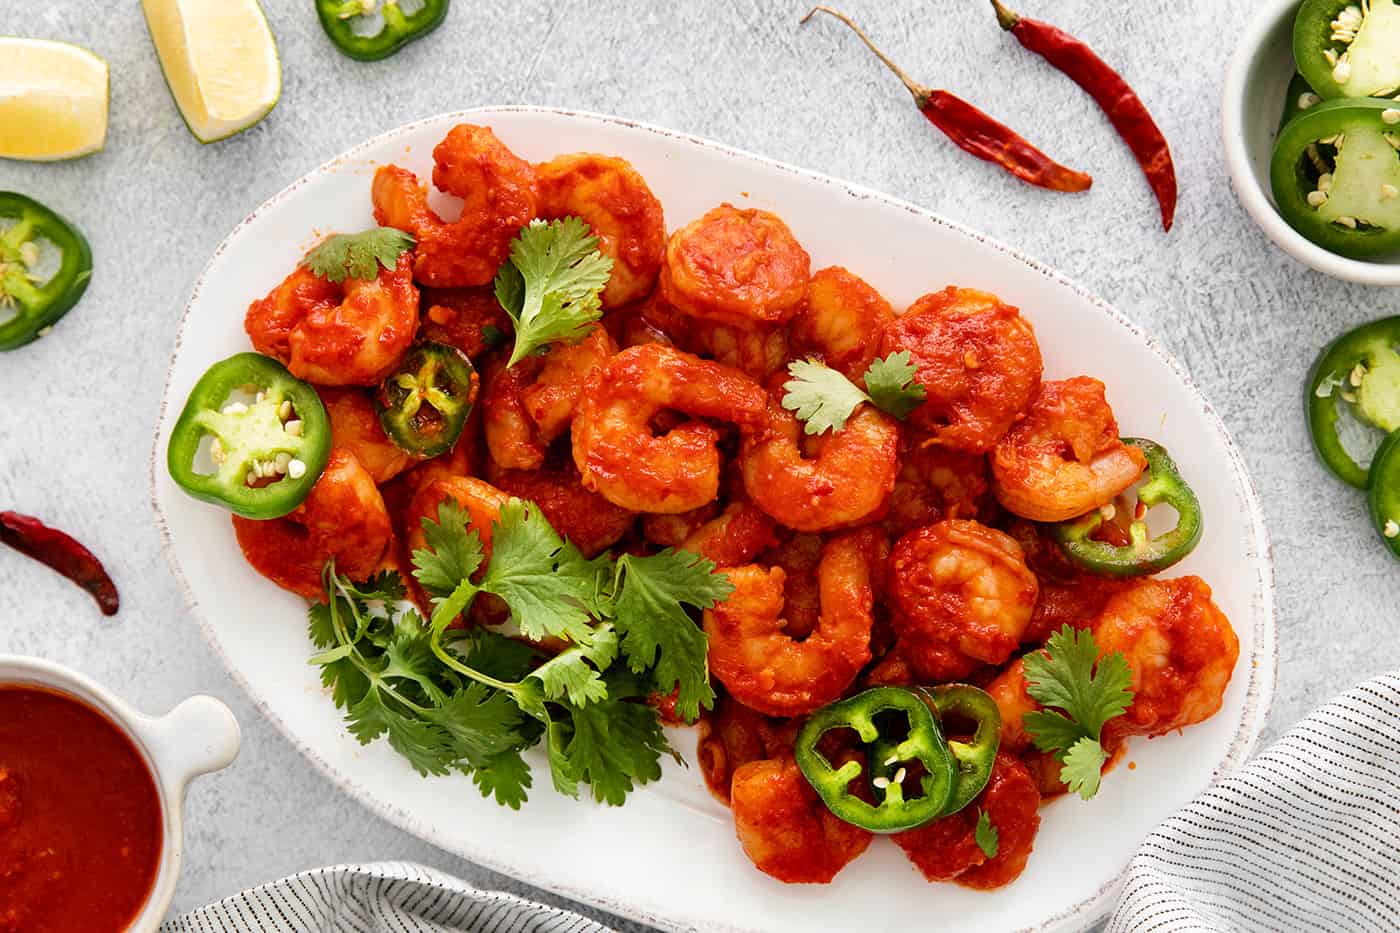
673	893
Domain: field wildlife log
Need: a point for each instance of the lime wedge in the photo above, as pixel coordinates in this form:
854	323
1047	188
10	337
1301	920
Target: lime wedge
53	100
219	60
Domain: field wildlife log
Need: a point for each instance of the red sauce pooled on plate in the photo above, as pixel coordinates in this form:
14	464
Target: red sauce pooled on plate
80	819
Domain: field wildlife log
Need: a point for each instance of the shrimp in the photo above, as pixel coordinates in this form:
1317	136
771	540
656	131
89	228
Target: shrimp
1068	595
761	665
962	596
613	444
1180	647
737	267
1076	602
890	671
551	399
620	210
736	536
343	518
756	351
841	323
497	189
934	483
732	735
947	849
1064	458
529	405
591	522
785	828
799	556
335	334
672	530
464	318
845	484
1008	689
630	328
512	438
355	427
978	361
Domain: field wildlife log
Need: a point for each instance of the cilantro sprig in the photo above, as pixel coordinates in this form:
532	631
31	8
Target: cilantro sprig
472	702
358	255
551	287
824	400
1070	676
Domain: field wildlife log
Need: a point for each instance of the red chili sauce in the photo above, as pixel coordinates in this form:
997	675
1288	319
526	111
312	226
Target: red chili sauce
80	819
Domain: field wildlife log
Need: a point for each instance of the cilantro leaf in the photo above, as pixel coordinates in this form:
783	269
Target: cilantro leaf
1083	767
496	655
1064	676
505	777
358	255
1091	690
546	583
426	746
649	610
385	586
453	553
319	626
338	670
551	285
576	673
409	655
482	723
891	386
561	769
987	836
346	682
1051	730
821	397
613	746
367	718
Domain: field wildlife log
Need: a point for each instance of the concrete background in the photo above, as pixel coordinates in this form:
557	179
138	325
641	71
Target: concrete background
79	408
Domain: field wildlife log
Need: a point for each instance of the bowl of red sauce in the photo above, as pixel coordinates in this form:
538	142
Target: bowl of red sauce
91	799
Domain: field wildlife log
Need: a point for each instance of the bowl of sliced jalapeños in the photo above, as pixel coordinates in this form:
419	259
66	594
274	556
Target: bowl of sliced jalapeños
1311	130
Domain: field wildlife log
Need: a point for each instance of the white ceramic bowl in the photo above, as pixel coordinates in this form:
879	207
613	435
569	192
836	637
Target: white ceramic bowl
196	737
1250	108
670	857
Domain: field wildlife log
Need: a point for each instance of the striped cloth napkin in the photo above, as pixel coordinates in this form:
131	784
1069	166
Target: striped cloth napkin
1304	837
385	897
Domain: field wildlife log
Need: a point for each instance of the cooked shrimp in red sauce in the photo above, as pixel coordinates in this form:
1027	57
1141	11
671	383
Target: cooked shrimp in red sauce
497	189
962	597
912	542
977	360
351	333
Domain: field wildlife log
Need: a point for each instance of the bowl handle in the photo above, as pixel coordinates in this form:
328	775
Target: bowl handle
198	736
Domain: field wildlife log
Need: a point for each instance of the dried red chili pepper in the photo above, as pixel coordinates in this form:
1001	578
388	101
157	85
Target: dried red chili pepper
974	131
1124	109
62	553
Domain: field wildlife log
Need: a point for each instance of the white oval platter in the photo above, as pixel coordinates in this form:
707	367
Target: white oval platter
670	857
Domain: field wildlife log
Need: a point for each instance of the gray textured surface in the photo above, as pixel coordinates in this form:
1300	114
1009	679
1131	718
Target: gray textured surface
79	408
